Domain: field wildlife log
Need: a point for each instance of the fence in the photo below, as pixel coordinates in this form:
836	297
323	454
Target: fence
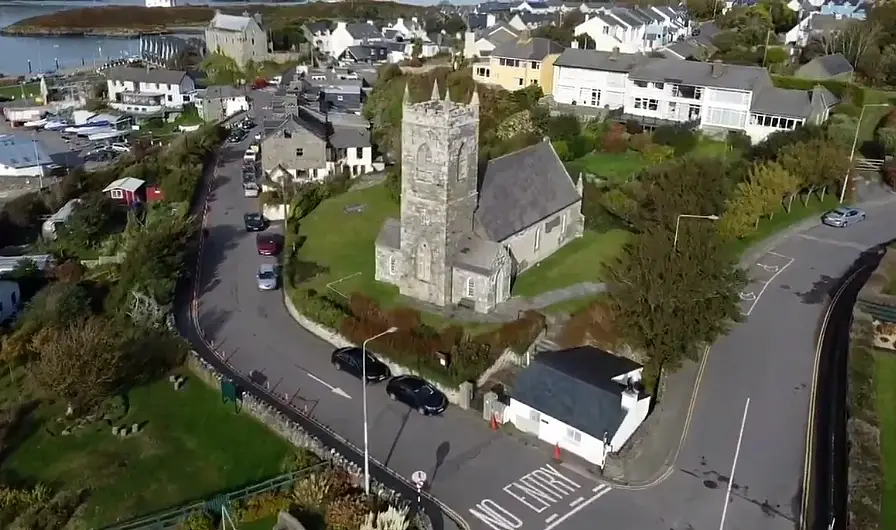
869	164
102	260
172	518
882	312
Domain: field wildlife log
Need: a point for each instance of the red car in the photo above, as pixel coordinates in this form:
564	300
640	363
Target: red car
267	244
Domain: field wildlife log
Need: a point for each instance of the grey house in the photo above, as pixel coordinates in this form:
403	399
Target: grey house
459	243
833	66
241	38
219	102
295	147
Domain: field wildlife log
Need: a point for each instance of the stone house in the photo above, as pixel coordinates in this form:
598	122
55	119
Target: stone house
219	102
296	147
241	38
459	242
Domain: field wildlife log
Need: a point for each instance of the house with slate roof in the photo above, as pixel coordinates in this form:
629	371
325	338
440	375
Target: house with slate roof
833	66
518	64
239	37
714	97
463	236
145	91
633	30
584	400
347	34
481	43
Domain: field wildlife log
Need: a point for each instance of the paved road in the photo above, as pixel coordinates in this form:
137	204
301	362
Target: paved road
497	482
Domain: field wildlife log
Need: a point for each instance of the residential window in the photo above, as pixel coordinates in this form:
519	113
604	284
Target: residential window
606	30
726	117
659	86
646	104
509	62
562	224
776	122
641	84
393	265
300	152
470	288
338	98
537	237
589	96
534	82
687	91
534	415
534	65
519	81
573	435
482	72
116	194
359	152
287	134
170	97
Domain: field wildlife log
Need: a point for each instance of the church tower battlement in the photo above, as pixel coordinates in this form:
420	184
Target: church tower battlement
439	178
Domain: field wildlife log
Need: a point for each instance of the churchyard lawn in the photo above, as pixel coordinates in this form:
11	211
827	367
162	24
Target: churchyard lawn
190	447
582	260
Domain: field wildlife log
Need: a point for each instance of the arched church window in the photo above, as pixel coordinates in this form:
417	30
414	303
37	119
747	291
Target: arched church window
423	261
424	161
461	163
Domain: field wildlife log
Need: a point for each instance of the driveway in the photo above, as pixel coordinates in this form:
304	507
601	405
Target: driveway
496	481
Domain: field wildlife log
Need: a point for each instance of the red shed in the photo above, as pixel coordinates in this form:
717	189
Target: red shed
127	191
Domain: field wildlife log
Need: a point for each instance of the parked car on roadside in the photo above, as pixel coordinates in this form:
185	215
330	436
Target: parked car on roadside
267	244
418	394
254	222
843	217
349	360
267	277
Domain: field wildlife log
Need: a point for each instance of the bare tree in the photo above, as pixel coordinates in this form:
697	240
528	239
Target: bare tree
853	40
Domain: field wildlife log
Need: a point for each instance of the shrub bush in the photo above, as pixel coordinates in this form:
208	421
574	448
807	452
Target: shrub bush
517	335
404	318
263	505
738	140
320	309
301	459
633	127
614	141
579	146
639	142
562	150
679	137
890	173
348	512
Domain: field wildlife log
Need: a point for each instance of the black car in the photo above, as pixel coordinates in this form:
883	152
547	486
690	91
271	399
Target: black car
349	360
254	222
418	394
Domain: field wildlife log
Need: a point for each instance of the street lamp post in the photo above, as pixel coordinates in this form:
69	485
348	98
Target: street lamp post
688	216
855	141
364	405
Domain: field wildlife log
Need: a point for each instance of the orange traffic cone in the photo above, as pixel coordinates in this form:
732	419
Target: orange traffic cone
494	423
557	452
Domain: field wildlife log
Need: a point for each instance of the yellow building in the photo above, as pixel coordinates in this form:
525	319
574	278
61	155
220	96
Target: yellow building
520	63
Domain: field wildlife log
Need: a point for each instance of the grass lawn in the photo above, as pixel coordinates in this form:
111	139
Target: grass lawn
709	147
343	242
579	261
265	523
783	220
886	400
611	166
192	446
15	91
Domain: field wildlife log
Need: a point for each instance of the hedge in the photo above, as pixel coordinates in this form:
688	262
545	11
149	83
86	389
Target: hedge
849	92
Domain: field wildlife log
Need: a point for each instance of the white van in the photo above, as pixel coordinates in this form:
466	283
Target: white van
250	189
250	155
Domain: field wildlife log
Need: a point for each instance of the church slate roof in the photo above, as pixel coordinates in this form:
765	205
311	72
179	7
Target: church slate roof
521	188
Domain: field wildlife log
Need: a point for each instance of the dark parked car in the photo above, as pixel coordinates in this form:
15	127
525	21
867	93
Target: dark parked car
254	222
267	244
349	360
417	394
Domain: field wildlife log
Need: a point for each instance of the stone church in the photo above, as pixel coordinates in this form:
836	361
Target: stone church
463	236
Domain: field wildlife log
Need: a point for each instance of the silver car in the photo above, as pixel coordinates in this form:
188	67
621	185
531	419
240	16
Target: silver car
267	277
843	217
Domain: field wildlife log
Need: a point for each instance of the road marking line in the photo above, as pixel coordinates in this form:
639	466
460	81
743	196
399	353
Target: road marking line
577	501
779	255
551	518
578	508
740	438
810	445
767	283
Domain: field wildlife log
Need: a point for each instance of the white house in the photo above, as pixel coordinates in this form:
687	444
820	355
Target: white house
583	400
318	34
816	24
481	43
715	97
353	34
160	3
532	6
10	298
51	224
406	29
219	102
146	91
22	156
633	30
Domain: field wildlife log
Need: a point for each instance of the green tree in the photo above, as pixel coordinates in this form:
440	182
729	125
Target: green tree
56	304
417	48
842	129
222	70
774	185
817	164
670	302
887	138
742	212
90	221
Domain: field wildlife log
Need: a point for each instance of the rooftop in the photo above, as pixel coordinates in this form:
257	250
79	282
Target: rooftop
695	73
534	49
146	75
597	60
230	22
22	152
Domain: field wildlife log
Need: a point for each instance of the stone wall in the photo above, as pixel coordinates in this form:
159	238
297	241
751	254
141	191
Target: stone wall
455	395
296	435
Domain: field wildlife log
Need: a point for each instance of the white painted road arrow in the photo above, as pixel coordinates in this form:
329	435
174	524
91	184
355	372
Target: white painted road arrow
335	390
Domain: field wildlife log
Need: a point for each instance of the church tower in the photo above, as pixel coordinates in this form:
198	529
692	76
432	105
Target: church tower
439	182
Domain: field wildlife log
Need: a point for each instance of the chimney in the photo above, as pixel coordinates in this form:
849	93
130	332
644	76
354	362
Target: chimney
717	69
340	25
257	17
575	45
614	55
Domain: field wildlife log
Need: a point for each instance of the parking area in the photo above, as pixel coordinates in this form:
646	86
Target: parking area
542	499
761	274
